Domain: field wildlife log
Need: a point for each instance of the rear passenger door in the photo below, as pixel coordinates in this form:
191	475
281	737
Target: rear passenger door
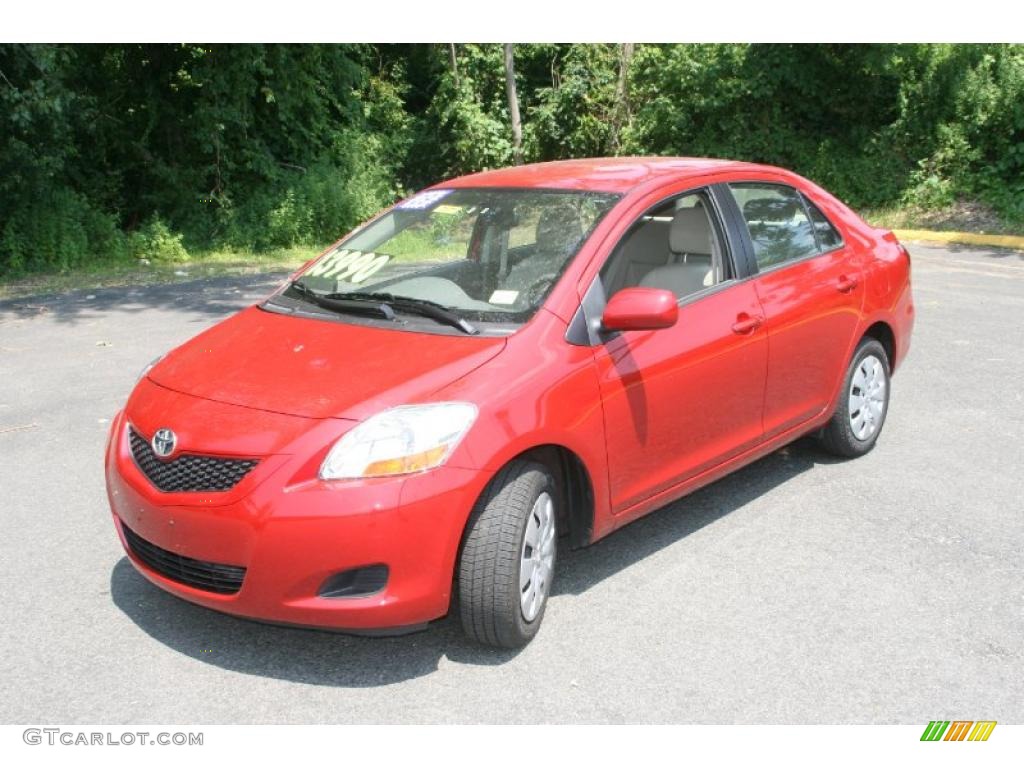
811	292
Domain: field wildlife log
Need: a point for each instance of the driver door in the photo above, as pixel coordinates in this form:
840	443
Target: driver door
681	400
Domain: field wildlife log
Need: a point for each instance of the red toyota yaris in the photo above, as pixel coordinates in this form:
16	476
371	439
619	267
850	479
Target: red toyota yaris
502	365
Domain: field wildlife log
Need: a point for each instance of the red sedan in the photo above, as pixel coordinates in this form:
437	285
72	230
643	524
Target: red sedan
502	365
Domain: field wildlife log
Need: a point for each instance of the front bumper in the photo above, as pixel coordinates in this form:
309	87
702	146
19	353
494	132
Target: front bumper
291	536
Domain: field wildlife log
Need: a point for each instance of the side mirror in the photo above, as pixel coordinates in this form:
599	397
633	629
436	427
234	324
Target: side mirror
640	309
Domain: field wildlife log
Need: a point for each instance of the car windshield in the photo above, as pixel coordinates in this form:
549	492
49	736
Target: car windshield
489	255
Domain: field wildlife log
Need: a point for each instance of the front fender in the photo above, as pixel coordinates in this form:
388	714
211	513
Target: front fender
541	391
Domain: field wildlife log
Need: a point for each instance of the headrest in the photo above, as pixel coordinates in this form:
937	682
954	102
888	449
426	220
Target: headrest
769	209
559	229
682	279
690	231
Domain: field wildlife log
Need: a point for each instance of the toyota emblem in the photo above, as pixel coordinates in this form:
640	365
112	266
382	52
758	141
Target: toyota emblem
164	441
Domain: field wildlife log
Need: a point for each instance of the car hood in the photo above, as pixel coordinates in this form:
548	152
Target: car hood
317	368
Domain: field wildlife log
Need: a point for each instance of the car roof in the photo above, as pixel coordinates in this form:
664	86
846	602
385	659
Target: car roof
599	174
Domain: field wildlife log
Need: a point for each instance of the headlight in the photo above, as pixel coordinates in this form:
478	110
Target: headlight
410	438
148	368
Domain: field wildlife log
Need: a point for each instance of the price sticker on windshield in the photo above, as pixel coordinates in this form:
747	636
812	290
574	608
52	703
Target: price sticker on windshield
424	200
503	297
348	266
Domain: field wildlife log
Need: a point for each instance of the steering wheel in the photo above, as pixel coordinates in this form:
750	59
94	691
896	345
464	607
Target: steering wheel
537	289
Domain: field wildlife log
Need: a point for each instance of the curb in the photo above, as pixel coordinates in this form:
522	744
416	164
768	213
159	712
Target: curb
966	238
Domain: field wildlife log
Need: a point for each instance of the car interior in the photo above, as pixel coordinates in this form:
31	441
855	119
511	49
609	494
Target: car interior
675	247
525	271
559	232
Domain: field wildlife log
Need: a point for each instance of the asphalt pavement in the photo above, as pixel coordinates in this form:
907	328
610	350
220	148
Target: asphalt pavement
889	589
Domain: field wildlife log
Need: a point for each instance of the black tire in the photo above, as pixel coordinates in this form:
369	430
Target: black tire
838	436
489	568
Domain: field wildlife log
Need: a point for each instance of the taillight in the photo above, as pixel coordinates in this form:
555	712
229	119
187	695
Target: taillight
905	253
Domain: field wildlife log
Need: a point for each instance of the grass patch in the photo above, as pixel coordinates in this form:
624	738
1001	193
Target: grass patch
962	216
148	272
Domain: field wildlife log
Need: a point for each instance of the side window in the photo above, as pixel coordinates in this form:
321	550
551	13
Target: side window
777	222
676	246
828	237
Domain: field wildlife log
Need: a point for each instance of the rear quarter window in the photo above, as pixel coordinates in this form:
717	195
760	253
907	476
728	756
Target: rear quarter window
828	237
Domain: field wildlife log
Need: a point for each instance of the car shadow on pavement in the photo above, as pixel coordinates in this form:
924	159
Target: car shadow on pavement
328	658
581	569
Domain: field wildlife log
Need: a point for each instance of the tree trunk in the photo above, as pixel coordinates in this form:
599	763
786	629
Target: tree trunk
513	105
454	63
620	114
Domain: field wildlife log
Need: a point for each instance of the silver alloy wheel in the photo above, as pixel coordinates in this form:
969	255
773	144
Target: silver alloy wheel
867	397
537	559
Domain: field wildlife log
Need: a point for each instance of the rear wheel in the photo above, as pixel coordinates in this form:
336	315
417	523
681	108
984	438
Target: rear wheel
863	403
508	557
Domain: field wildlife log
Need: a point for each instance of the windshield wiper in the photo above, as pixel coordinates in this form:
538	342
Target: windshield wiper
423	307
339	302
390	302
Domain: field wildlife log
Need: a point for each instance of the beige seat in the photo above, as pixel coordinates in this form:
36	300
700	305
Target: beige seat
691	245
559	232
644	250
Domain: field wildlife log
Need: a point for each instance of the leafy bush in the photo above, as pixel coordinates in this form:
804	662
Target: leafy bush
315	205
963	118
58	230
156	242
190	147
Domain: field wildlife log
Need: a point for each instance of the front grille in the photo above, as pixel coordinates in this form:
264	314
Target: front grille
188	472
213	577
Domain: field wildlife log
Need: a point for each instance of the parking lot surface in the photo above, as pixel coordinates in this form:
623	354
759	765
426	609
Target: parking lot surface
889	589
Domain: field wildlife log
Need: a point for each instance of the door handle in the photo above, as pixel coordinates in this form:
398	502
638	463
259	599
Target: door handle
746	323
846	284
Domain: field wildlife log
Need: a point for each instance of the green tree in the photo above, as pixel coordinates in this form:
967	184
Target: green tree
109	151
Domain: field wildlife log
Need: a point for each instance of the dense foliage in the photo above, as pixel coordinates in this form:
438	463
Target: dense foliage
114	151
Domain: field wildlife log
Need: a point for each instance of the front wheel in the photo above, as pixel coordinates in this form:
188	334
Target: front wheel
508	558
863	403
